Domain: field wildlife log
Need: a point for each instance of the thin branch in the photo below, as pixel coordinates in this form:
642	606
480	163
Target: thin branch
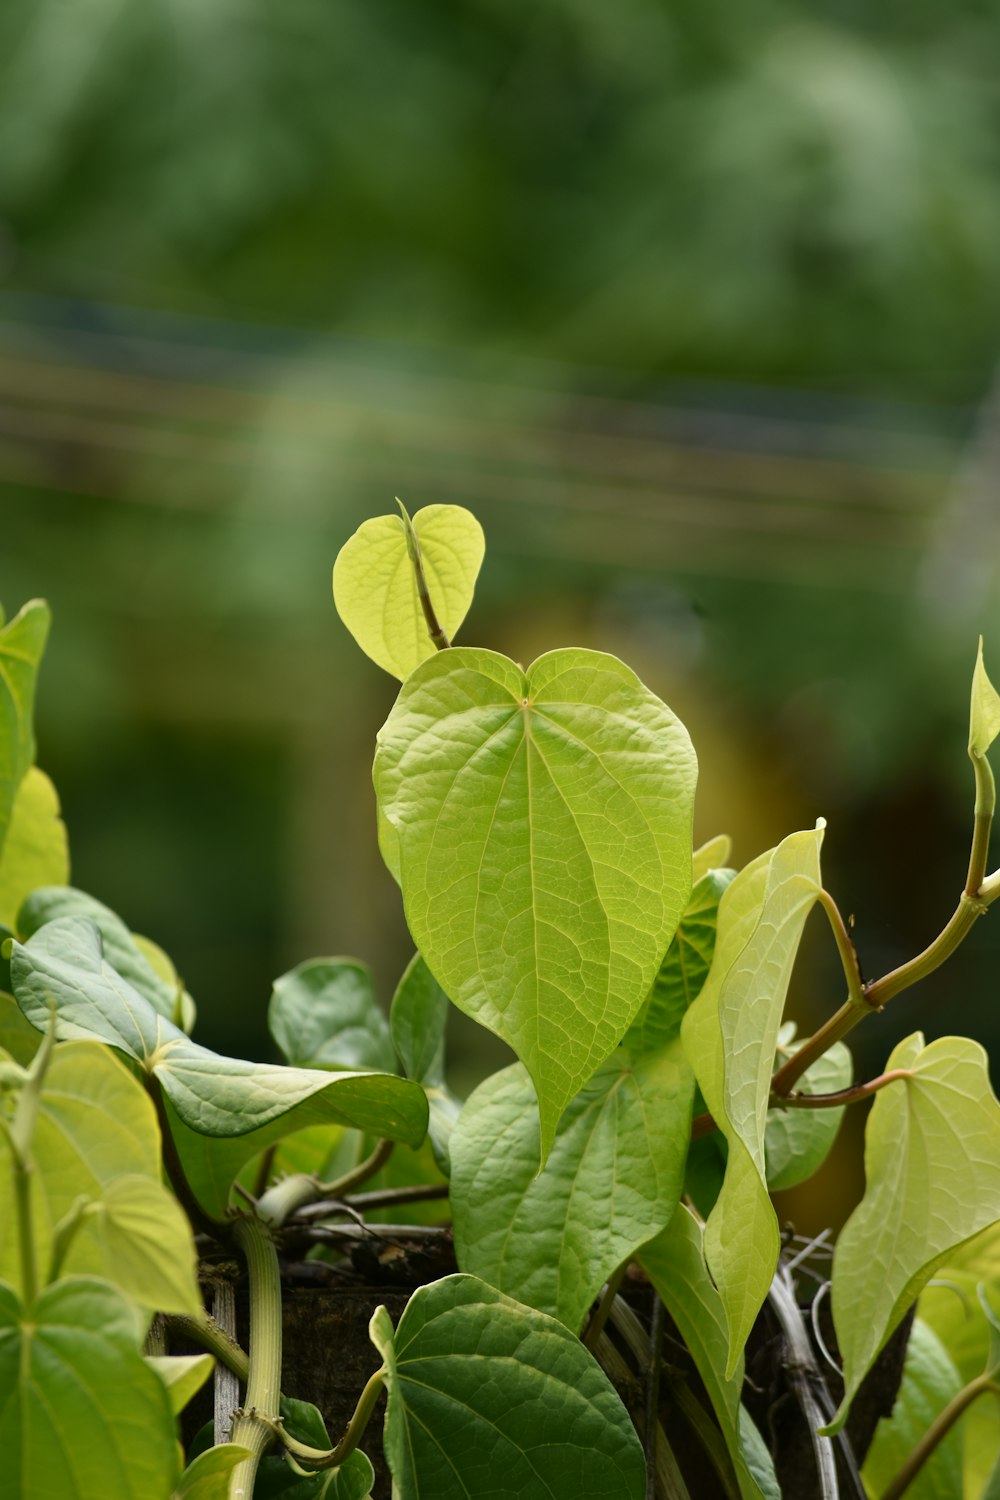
938	1430
852	1095
845	946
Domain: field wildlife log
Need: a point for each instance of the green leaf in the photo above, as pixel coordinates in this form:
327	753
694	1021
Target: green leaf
81	1413
541	833
685	967
984	715
353	1480
418	1019
612	1180
17	1036
22	641
798	1141
324	1014
932	1169
182	1374
492	1399
137	1236
730	1034
127	954
675	1264
930	1380
375	591
712	855
207	1478
36	851
207	1095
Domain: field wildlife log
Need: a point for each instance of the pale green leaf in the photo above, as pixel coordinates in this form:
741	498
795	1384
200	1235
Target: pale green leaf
36	850
930	1380
182	1374
542	837
418	1019
207	1095
494	1400
81	1413
95	1123
798	1141
984	715
375	591
22	641
932	1170
137	1236
127	954
324	1014
612	1180
184	1013
714	854
675	1264
685	967
208	1476
730	1034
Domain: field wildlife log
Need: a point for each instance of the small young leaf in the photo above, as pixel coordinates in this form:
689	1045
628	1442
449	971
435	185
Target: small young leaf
541	828
675	1264
730	1034
324	1014
492	1399
612	1180
713	855
81	1413
930	1380
685	967
375	591
932	1169
22	641
36	851
182	1374
984	716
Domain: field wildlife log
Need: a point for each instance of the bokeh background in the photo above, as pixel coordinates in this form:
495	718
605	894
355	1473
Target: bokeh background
697	306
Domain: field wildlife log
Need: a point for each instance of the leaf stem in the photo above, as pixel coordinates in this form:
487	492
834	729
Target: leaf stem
986	798
852	1095
434	627
845	946
206	1332
251	1429
332	1458
284	1198
938	1430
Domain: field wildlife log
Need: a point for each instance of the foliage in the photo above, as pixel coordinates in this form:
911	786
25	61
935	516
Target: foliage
538	822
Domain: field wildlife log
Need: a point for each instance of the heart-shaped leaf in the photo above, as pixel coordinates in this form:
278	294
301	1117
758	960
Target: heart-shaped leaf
541	832
612	1180
22	641
36	850
418	1019
150	972
324	1014
375	588
685	967
932	1175
730	1034
675	1264
930	1380
492	1399
137	1236
207	1094
81	1413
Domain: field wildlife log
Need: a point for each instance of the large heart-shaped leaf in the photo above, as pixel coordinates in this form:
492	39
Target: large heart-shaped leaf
730	1034
96	1139
932	1180
36	850
22	641
612	1180
375	589
930	1380
540	827
675	1264
418	1019
81	1413
324	1014
145	966
492	1399
207	1094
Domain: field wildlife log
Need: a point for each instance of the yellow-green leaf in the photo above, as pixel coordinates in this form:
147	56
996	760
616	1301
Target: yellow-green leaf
712	855
730	1034
932	1169
36	850
375	591
182	1374
22	641
984	716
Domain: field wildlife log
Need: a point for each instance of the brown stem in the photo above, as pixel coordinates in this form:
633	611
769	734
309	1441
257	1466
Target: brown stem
852	1095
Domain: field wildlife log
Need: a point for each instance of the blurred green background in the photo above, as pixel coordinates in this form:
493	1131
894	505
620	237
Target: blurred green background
696	306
